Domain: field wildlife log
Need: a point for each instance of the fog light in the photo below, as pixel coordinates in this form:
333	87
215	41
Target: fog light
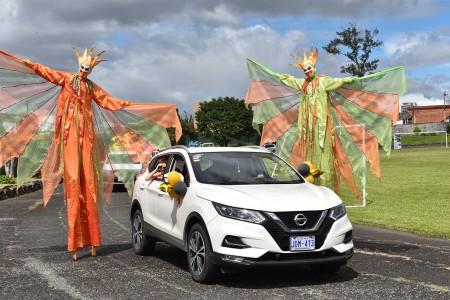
232	258
348	236
234	242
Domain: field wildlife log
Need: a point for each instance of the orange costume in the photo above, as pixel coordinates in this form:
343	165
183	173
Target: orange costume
80	146
75	134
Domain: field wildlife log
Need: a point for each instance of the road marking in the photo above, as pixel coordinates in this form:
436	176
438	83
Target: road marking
54	281
61	217
383	254
314	293
7	219
404	280
35	205
155	278
433	286
126	228
407	258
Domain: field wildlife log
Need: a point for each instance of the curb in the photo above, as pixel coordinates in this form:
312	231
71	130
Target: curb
11	191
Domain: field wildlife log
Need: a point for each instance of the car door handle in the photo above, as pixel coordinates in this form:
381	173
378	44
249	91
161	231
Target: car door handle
145	185
160	194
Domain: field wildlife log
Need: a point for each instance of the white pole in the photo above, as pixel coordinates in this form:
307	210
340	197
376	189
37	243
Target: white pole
364	159
445	94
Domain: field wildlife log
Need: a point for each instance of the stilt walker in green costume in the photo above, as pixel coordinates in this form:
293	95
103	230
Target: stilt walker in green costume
337	124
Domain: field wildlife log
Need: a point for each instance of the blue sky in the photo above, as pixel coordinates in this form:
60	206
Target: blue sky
161	51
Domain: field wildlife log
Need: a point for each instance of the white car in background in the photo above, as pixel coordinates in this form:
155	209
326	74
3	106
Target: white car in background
270	146
125	161
242	207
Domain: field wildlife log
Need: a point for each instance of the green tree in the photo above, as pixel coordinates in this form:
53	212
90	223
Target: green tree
187	127
222	119
356	45
189	132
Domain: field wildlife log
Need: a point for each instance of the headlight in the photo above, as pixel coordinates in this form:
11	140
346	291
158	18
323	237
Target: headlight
242	214
338	212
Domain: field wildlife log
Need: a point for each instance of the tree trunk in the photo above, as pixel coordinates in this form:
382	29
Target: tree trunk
11	168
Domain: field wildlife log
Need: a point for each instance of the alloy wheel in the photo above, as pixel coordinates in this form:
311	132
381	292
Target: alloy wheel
137	231
197	253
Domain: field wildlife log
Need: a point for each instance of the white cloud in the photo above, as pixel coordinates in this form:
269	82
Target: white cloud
404	43
220	15
421	100
185	51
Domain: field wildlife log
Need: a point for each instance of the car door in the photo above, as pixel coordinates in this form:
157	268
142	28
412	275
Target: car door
151	194
170	210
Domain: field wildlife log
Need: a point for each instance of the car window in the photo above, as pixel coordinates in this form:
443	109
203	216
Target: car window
242	168
179	165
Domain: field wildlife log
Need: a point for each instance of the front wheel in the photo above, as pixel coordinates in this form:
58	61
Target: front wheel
199	256
142	244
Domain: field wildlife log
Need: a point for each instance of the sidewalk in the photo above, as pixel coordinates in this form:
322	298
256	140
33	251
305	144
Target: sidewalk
10	191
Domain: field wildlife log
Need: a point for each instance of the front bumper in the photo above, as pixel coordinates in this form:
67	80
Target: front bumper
267	244
284	259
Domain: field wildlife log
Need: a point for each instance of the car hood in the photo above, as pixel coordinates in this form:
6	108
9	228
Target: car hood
271	197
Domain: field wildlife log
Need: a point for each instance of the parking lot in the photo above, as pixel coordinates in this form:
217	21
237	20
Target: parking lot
36	265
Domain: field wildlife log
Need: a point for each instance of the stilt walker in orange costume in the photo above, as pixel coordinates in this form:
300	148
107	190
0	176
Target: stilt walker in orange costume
85	132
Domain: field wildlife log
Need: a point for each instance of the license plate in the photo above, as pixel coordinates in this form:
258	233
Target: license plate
302	243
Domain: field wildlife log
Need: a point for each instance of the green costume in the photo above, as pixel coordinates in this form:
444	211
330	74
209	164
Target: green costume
335	123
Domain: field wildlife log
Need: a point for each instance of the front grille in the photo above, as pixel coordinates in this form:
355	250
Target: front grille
288	219
282	238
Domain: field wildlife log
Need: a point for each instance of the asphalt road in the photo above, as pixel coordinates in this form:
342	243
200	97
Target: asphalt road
34	264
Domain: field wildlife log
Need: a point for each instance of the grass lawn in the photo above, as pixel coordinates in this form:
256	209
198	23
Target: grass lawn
413	194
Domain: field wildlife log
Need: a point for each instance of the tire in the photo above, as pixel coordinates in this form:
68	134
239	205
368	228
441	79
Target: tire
142	244
199	256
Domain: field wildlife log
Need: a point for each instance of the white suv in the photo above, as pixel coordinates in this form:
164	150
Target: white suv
243	207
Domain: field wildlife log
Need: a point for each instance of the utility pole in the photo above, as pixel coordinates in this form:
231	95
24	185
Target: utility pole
445	95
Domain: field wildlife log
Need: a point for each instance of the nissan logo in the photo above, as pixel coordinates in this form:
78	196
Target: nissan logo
300	219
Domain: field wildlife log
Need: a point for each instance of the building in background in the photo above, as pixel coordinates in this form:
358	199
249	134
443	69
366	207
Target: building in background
425	114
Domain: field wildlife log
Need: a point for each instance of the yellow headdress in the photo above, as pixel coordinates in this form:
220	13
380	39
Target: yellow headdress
87	60
311	59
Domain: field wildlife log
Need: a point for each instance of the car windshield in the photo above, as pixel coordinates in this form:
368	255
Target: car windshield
236	168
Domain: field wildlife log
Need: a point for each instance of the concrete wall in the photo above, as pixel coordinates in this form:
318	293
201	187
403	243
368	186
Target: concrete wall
426	127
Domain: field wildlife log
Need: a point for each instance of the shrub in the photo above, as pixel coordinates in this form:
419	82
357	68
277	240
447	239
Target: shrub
4	179
417	130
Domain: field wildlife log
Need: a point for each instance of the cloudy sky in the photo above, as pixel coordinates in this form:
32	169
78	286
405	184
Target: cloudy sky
171	51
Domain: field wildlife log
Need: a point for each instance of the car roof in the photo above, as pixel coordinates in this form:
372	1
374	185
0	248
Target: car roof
217	149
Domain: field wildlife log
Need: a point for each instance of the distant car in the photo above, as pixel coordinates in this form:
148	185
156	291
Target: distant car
207	145
155	152
122	160
270	146
241	207
397	142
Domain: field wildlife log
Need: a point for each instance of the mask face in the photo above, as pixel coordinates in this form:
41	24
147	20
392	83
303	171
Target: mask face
309	70
85	68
